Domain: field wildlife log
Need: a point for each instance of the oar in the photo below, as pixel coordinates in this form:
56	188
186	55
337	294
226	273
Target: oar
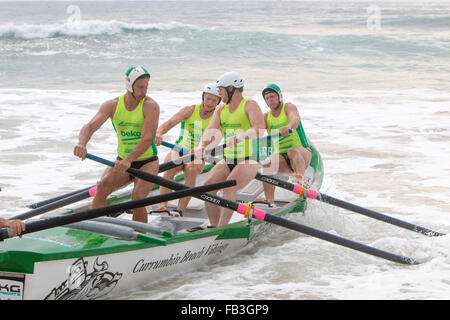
56	204
219	149
90	192
314	194
57	221
213	151
54	199
263	216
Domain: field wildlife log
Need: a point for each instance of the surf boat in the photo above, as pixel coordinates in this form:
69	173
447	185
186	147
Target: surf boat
105	256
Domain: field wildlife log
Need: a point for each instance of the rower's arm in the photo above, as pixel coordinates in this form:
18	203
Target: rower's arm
106	111
256	118
293	115
181	115
213	133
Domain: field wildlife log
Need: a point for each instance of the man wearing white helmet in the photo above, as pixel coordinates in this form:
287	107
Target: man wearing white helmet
240	122
135	118
194	120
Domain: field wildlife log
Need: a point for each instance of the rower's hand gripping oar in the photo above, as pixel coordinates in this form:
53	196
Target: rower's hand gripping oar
313	194
57	221
247	209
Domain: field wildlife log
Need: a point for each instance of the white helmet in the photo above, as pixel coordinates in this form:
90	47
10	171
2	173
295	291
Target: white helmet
230	79
212	89
133	74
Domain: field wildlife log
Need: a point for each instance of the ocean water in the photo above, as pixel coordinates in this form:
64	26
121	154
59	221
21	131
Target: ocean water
370	79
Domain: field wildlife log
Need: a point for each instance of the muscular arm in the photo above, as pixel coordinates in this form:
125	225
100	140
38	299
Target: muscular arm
181	115
256	118
106	111
213	133
293	116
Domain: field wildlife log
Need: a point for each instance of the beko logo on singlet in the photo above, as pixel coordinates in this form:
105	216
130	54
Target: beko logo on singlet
133	134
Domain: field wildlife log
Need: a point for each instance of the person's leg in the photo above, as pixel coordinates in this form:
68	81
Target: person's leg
300	159
217	174
169	174
277	165
243	173
109	182
141	190
191	171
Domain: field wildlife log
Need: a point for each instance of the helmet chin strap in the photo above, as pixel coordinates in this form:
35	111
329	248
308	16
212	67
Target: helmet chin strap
230	94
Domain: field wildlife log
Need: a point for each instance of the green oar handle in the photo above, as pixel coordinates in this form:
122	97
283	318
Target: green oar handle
51	222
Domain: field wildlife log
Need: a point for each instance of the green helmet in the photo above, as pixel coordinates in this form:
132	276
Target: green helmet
133	74
272	87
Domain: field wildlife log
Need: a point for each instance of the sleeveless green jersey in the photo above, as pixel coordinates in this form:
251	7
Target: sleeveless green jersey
283	144
128	127
236	123
192	129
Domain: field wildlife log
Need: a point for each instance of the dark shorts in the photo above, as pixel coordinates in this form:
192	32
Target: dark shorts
233	162
288	161
140	163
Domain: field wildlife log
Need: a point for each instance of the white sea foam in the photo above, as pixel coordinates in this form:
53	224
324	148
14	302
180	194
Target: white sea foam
81	28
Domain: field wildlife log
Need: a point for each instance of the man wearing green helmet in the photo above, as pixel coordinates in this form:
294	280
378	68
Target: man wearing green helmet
135	118
291	153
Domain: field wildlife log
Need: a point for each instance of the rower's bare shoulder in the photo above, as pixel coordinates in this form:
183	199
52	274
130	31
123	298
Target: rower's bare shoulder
251	104
109	106
150	104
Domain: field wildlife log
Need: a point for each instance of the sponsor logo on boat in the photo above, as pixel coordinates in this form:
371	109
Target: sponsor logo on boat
83	285
180	257
10	290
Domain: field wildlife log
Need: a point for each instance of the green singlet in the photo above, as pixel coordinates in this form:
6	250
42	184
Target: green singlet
128	127
236	123
192	129
283	144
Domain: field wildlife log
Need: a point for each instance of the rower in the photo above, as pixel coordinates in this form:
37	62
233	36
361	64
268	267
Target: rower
135	117
291	153
240	122
194	120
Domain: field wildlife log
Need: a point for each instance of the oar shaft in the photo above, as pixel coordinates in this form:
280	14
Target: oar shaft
376	215
169	184
57	204
57	198
263	216
313	194
85	193
338	240
51	222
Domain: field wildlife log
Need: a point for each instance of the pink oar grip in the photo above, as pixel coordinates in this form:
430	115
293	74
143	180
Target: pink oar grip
242	208
312	194
297	189
259	214
92	191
